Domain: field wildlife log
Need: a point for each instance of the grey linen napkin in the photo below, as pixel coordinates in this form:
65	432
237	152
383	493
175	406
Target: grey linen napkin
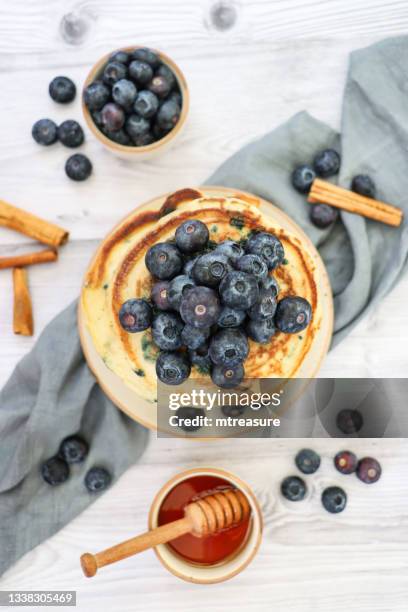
52	393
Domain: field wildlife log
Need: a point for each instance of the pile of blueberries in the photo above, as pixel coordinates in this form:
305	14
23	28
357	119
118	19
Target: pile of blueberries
206	302
73	450
327	164
334	498
46	132
136	100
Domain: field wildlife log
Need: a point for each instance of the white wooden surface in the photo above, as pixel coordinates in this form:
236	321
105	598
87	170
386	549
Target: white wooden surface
277	58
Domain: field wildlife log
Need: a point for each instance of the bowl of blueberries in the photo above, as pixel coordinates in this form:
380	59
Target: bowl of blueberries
135	101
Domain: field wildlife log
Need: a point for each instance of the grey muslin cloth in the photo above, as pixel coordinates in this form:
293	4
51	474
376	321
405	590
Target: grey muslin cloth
52	393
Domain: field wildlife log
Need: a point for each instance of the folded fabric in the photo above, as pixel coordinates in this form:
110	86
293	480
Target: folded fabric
53	394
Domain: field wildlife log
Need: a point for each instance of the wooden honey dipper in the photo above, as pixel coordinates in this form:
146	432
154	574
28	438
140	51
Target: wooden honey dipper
203	517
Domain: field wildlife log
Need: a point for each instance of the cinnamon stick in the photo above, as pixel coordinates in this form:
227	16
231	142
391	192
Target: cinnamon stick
23	312
30	225
323	192
28	259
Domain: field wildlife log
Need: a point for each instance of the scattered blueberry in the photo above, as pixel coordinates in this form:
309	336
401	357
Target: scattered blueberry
124	93
168	114
334	499
293	314
135	315
172	368
194	337
364	185
227	376
78	167
160	86
137	126
186	415
192	236
230	249
265	306
200	307
73	449
146	55
229	347
70	134
140	72
114	71
268	247
45	132
97	479
62	89
164	260
252	264
261	331
55	471
113	117
159	295
166	331
293	488
231	317
369	470
178	288
323	215
307	461
302	178
345	462
96	95
146	104
349	421
210	269
327	163
239	290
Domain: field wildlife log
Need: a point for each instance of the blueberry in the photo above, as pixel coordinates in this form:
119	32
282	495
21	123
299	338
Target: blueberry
268	247
97	118
230	249
159	295
78	167
137	126
185	416
334	499
97	479
192	236
146	55
261	330
135	315
200	307
140	72
62	89
164	260
265	307
147	104
45	132
120	56
252	264
349	421
229	347
302	178
124	93
160	86
144	140
210	269
178	288
168	74
159	131
200	358
73	449
168	114
369	470
293	315
327	163
364	185
189	265
175	96
55	471
114	71
293	488
233	411
345	462
270	282
172	368
307	461
194	337
96	95
113	117
70	133
323	215
118	136
231	317
227	376
166	331
239	290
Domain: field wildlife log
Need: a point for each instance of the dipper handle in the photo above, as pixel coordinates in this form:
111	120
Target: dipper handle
91	563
